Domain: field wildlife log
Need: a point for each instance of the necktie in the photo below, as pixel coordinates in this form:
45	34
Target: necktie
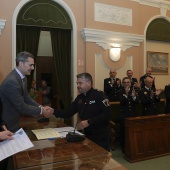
23	82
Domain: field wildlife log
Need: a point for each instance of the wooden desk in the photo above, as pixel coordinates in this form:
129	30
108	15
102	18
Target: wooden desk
147	137
62	155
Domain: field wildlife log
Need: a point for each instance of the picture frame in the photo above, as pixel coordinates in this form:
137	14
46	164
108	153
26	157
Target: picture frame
158	62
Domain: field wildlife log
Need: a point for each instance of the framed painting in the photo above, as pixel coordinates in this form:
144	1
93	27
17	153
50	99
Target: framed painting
158	62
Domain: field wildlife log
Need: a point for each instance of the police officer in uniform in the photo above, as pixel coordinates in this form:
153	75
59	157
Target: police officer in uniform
148	96
93	109
127	98
167	94
142	79
112	85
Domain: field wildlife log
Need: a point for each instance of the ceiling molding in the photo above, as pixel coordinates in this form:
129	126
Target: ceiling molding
109	39
2	25
162	4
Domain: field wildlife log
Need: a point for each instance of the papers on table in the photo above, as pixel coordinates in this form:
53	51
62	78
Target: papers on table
46	133
63	131
19	143
52	133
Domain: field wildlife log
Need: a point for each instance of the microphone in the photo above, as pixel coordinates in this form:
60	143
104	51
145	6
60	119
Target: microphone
75	137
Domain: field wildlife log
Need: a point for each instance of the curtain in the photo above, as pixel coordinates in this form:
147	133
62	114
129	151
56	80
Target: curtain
61	47
27	39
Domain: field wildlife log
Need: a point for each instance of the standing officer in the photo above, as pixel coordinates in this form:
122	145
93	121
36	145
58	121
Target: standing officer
93	109
112	85
148	97
127	98
148	74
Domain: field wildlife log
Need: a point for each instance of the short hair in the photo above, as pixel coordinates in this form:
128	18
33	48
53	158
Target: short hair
85	76
128	70
23	56
125	79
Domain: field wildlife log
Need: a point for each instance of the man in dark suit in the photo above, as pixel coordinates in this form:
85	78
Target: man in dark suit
127	98
112	85
14	94
142	79
148	97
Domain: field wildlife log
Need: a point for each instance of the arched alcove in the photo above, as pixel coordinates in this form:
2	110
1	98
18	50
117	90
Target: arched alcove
74	39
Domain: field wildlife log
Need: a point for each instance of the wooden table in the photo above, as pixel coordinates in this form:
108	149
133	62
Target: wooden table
61	155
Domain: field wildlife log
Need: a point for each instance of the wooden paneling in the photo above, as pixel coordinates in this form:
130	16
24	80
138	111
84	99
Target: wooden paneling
147	137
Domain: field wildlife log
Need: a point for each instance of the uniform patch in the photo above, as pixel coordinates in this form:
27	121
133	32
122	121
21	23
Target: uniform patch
106	102
91	102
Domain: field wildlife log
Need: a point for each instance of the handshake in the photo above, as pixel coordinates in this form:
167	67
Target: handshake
47	111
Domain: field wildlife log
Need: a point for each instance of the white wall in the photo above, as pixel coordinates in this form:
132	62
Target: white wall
44	48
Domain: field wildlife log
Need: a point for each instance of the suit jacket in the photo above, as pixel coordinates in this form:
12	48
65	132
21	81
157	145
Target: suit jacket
110	90
127	104
148	101
167	94
16	101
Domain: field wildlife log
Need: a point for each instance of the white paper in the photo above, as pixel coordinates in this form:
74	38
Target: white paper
63	131
19	143
46	133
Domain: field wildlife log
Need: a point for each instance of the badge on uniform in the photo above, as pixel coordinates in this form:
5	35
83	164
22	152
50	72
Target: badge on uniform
106	102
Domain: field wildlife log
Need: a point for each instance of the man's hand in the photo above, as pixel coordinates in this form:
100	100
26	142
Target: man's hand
158	91
83	124
47	111
6	135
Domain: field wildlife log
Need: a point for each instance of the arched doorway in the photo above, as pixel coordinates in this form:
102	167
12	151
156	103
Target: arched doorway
73	40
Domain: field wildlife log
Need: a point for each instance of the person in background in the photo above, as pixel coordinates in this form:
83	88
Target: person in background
148	74
134	81
148	96
167	94
128	99
33	86
14	94
112	85
93	111
46	93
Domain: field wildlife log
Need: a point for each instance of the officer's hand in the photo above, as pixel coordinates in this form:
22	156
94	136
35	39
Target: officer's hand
83	124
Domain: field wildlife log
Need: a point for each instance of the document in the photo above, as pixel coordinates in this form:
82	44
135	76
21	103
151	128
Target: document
19	143
46	133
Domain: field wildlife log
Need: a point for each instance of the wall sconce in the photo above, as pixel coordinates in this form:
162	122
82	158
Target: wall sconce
114	53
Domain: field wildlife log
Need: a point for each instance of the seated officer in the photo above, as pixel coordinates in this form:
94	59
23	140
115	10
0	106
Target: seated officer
167	94
148	97
127	98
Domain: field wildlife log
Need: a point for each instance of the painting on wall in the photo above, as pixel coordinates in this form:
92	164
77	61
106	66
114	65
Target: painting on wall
158	61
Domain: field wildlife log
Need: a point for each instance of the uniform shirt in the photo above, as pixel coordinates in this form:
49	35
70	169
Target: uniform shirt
111	90
127	104
147	101
94	107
